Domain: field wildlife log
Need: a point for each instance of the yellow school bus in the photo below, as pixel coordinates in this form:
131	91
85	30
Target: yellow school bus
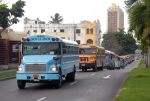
91	57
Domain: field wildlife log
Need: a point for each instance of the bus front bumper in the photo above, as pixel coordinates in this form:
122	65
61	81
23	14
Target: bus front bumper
38	76
86	65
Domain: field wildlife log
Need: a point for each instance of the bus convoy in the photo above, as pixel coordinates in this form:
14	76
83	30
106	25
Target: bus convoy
46	58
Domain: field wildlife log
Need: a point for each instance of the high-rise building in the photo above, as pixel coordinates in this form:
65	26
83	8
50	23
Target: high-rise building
115	18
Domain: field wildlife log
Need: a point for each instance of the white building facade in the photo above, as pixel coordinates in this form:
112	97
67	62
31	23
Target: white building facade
74	32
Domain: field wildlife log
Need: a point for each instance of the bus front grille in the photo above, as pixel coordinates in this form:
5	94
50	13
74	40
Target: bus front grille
35	68
84	59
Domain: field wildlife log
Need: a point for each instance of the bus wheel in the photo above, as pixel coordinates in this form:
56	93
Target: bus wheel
98	69
101	68
71	76
21	84
94	69
82	70
57	84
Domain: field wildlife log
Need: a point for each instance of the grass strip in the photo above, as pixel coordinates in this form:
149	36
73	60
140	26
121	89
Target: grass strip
137	86
7	73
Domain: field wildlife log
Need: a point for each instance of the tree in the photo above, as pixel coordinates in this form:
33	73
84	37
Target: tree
57	19
111	43
119	42
139	23
10	16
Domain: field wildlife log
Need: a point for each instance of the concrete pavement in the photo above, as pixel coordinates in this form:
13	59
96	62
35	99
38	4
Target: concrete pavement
89	86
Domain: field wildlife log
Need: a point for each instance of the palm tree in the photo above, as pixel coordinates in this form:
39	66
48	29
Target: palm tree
139	22
57	19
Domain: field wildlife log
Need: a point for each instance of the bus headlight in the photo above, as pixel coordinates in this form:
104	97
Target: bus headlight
53	68
20	68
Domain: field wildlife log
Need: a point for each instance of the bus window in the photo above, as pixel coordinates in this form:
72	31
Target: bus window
87	50
64	49
41	48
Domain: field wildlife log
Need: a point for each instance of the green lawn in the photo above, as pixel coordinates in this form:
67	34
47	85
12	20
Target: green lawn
137	86
7	73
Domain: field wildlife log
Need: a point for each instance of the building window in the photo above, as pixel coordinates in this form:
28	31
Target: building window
62	30
87	31
63	37
55	31
91	30
35	22
89	41
78	34
78	31
42	30
35	31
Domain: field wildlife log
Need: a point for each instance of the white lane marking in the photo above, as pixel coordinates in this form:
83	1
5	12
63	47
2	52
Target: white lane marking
73	83
93	74
106	77
41	98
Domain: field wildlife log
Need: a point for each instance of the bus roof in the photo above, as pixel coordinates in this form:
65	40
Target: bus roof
46	38
110	52
69	41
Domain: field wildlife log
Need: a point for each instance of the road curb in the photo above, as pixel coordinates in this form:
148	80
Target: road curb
7	78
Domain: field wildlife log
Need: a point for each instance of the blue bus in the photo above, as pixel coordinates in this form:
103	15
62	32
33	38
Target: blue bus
47	58
108	61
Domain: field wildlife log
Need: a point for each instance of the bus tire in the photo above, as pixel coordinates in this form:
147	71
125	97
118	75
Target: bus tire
58	83
95	68
101	68
71	76
21	84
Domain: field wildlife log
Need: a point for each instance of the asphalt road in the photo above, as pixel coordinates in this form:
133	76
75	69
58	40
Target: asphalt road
89	86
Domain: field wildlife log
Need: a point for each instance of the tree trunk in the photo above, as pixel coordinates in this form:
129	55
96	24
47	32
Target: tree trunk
147	58
148	55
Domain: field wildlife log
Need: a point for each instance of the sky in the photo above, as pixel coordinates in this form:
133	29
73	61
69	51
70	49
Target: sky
73	11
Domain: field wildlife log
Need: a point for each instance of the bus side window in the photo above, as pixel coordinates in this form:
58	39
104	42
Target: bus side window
64	49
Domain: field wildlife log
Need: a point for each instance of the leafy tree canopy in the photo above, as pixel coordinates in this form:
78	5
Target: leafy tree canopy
57	19
139	20
10	16
119	42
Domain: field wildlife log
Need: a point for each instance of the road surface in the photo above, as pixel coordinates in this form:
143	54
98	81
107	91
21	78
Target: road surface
89	86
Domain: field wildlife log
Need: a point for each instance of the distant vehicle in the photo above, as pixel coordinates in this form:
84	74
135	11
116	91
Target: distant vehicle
124	62
108	61
91	57
47	58
113	61
129	58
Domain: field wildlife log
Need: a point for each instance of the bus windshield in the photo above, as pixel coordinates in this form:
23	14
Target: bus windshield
45	48
87	50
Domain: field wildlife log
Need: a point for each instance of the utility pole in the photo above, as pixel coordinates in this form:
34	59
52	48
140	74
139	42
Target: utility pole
74	32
